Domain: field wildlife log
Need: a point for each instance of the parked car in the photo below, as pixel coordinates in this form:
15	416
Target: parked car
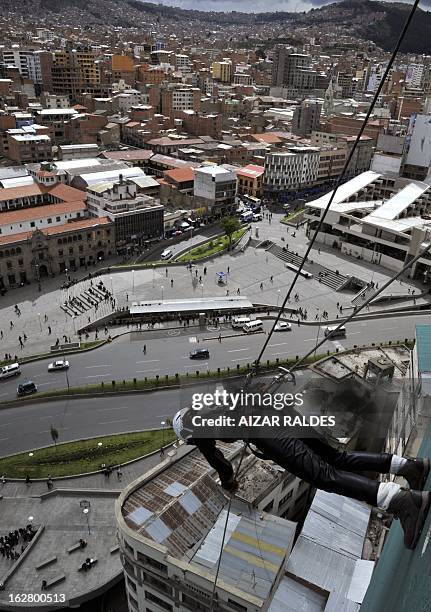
7	371
200	353
60	364
283	326
26	388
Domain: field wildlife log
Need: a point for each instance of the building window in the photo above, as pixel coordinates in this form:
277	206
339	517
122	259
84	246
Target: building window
236	606
58	219
158	601
269	506
20	262
8	265
131	584
286	497
32	224
134	602
49	220
152	562
128	547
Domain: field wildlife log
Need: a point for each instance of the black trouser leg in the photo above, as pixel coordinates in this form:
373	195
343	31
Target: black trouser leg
298	458
350	461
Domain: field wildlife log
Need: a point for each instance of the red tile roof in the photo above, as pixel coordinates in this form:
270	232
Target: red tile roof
13	193
60	191
251	171
268	137
180	175
40	212
57	229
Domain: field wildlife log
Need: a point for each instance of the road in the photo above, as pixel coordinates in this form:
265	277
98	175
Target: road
167	352
27	426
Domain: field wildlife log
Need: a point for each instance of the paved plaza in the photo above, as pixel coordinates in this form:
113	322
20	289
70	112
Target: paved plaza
249	272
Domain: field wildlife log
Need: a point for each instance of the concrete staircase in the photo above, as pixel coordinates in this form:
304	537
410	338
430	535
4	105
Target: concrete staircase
327	277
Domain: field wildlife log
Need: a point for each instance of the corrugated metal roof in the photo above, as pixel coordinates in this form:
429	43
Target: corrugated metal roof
330	543
184	509
292	596
423	347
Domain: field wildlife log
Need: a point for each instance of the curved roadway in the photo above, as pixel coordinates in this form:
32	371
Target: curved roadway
27	426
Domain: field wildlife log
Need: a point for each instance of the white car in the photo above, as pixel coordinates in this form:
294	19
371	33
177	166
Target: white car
167	254
283	326
60	364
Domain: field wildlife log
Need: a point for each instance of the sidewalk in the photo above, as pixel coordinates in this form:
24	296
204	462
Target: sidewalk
92	481
250	271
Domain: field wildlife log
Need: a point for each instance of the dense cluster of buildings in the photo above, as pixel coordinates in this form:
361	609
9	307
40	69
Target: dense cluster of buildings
109	142
159	125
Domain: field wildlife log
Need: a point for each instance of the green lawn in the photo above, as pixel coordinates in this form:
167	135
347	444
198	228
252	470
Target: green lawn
84	456
292	215
211	248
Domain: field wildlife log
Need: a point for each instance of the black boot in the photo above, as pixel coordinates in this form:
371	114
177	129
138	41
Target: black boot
416	471
411	508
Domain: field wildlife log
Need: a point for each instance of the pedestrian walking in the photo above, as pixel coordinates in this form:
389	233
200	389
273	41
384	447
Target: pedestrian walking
166	271
144	350
219	338
11	324
205	271
238	291
271	278
261	286
227	292
119	474
20	342
228	269
25	338
49	330
1	334
172	282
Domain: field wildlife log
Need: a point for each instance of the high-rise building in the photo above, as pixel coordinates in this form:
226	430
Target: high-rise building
414	75
216	187
417	150
15	56
292	69
306	117
291	169
169	529
222	71
75	71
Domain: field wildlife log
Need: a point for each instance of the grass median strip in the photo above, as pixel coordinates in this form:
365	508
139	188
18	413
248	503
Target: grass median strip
211	248
84	455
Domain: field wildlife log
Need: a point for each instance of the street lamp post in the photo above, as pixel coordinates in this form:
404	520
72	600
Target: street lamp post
154	271
40	323
133	281
278	296
163	423
318	329
162	288
86	513
74	324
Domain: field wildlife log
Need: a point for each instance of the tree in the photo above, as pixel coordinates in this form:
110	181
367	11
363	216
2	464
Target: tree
230	225
54	435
